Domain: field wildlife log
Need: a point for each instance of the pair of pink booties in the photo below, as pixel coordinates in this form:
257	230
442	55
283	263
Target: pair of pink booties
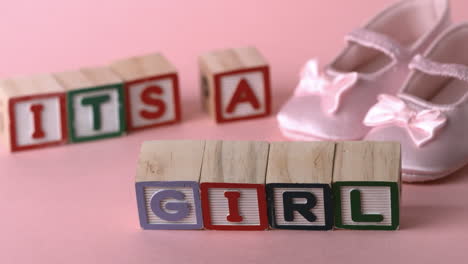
402	77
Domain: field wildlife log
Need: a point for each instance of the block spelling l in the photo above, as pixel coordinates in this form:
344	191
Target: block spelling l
233	185
299	178
94	103
235	84
151	91
167	186
32	112
366	185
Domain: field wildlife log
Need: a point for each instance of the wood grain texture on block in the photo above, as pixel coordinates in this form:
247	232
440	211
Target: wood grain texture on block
170	161
95	103
235	84
87	78
167	187
300	162
152	95
235	162
226	60
299	176
142	67
233	185
367	161
32	112
366	185
29	86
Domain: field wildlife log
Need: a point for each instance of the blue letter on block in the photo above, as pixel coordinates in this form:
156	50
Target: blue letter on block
181	208
169	205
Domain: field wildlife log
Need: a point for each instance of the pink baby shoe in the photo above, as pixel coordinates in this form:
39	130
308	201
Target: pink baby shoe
430	116
331	105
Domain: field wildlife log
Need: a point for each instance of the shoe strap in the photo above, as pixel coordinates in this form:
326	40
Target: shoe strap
457	71
378	41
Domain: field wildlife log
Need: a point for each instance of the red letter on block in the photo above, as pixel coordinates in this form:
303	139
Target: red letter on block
158	103
37	109
152	102
243	94
233	200
234	206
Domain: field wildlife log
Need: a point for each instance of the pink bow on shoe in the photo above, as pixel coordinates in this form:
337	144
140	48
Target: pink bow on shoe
331	91
421	125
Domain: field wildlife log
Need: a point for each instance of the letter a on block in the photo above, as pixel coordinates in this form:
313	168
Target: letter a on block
366	185
243	94
235	84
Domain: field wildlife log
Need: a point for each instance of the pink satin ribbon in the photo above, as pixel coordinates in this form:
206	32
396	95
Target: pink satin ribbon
330	90
421	125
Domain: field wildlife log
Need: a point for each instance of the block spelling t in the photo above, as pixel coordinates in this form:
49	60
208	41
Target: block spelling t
32	112
167	186
366	185
299	178
151	91
233	185
94	103
235	84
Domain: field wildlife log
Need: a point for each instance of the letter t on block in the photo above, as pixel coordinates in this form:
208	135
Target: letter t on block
299	177
95	103
232	185
167	187
366	185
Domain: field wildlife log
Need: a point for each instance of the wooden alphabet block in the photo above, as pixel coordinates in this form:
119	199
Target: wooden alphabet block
299	178
235	84
366	185
151	91
32	113
167	186
94	103
233	185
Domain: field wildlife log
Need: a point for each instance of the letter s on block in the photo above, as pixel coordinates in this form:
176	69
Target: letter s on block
158	104
182	208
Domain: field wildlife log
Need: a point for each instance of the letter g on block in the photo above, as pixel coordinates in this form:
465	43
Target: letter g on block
181	208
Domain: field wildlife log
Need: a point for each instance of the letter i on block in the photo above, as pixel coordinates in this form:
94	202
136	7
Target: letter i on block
366	185
233	185
167	186
32	113
299	178
235	84
151	91
94	103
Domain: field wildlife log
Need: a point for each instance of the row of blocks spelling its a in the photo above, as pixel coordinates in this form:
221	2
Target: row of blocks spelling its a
242	185
128	95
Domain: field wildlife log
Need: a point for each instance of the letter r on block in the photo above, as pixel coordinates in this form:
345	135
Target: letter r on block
300	206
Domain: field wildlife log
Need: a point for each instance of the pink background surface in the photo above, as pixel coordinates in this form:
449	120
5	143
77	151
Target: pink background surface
76	203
